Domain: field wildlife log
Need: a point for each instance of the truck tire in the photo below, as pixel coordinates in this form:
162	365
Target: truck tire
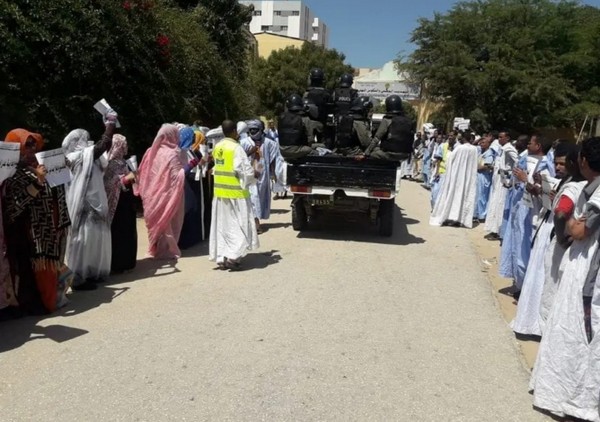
386	217
299	217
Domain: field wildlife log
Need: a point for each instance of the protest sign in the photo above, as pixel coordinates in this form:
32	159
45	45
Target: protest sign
9	158
56	166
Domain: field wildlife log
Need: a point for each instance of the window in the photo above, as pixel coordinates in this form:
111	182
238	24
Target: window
295	13
284	27
264	28
277	13
258	13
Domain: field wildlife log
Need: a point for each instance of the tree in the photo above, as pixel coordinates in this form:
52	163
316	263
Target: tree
153	62
225	22
286	71
509	63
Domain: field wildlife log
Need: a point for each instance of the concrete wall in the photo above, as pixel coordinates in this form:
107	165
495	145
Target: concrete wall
267	43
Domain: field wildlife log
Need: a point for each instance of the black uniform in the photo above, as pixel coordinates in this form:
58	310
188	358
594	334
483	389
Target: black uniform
343	99
296	135
321	98
395	136
353	135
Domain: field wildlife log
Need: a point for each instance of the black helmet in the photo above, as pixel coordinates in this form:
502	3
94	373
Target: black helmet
294	103
346	80
316	76
311	109
393	104
367	103
361	105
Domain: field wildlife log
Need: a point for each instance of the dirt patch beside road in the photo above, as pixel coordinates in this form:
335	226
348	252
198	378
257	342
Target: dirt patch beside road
489	254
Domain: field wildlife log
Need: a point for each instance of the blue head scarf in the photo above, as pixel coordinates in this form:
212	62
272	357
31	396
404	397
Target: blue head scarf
256	124
186	137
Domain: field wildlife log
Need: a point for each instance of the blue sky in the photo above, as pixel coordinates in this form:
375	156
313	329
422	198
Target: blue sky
372	32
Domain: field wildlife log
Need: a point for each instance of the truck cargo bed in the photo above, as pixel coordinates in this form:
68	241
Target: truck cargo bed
342	172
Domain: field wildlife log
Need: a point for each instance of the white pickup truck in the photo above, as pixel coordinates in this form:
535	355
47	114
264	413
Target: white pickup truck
341	184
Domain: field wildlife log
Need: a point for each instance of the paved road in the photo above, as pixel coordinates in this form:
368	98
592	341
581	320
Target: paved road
336	324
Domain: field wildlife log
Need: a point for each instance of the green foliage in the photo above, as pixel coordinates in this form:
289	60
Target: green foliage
510	63
153	62
411	113
286	71
379	108
224	21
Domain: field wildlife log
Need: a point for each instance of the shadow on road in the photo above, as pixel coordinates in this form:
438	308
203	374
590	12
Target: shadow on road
280	211
201	249
357	228
147	268
256	261
15	333
270	226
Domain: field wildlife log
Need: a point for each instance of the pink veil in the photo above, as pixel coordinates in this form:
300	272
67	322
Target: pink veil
161	186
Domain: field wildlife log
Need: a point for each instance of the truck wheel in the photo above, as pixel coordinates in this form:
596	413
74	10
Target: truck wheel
299	217
386	217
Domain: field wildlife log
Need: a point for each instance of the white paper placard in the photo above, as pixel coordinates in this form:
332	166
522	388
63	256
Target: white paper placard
56	166
548	184
10	153
102	107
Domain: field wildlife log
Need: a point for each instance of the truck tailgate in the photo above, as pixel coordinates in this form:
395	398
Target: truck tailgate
342	172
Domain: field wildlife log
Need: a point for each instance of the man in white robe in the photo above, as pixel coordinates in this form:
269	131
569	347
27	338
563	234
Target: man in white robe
233	229
566	376
456	201
527	320
506	161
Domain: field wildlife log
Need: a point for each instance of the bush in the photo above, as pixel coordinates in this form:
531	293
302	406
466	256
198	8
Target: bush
153	62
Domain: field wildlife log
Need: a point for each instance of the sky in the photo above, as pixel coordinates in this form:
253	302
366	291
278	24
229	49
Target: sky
373	32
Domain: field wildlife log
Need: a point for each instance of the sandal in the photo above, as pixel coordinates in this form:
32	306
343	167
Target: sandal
232	265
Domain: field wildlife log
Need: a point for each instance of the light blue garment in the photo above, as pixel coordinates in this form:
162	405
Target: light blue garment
436	183
272	134
426	166
260	194
507	207
484	185
516	243
550	162
518	235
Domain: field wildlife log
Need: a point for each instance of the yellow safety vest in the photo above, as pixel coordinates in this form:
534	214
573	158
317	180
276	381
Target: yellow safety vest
227	184
442	168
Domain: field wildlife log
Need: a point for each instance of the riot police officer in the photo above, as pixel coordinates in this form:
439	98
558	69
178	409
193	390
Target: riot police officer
318	95
395	135
314	124
353	135
296	135
344	95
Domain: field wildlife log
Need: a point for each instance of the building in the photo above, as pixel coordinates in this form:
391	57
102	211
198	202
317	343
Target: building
381	83
269	42
291	18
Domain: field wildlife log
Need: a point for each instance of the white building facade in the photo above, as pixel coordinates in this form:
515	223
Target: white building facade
381	83
291	18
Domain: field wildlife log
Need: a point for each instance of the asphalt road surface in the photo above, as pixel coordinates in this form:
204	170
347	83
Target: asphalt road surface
332	324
